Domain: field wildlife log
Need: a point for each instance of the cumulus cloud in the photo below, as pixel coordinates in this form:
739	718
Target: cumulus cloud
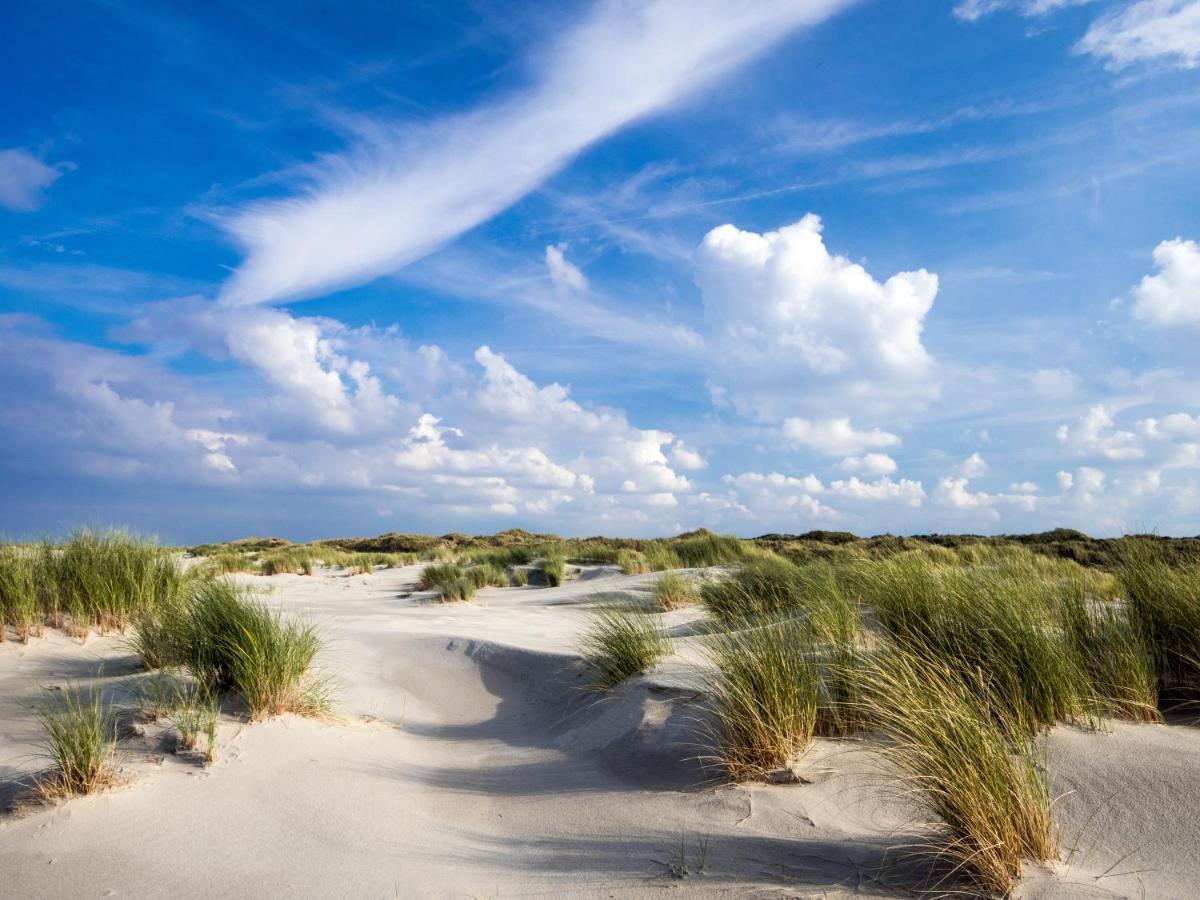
1147	30
1095	434
973	466
835	436
869	464
808	317
401	193
1171	297
955	492
23	178
971	10
565	275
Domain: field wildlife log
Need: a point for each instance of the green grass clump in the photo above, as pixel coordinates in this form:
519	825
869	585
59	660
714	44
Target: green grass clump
766	693
107	579
519	576
672	591
979	776
622	642
231	642
486	575
660	558
1164	604
439	573
632	562
762	587
709	550
554	569
194	712
457	590
20	606
79	740
993	621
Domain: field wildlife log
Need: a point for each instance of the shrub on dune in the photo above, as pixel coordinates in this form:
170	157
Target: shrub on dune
622	642
979	777
79	740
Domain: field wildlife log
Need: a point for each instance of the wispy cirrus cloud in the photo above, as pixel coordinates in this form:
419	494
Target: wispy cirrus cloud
403	192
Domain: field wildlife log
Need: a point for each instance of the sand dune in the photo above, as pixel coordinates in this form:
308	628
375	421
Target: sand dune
468	763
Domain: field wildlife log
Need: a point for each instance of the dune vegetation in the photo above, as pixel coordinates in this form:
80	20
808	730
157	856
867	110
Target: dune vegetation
947	657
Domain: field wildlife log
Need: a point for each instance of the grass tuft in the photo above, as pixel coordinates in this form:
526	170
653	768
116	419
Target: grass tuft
620	643
672	591
79	740
980	777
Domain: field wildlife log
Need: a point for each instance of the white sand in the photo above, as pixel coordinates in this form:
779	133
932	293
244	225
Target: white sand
469	765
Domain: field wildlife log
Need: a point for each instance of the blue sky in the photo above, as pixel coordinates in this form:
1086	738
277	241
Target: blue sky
611	267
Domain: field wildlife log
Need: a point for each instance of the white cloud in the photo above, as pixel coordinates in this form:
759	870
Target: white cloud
565	275
955	492
835	436
904	491
686	458
971	10
1096	434
804	316
869	464
973	466
1024	487
400	194
1147	30
23	178
1172	297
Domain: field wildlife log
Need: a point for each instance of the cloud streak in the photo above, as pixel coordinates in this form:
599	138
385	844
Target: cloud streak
402	193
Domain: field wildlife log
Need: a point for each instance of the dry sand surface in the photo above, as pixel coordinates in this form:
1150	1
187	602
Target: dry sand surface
468	763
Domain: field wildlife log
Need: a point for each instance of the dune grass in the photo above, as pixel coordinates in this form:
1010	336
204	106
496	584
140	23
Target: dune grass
194	711
978	776
1164	605
233	643
518	576
709	550
20	606
673	591
78	740
487	575
765	687
993	621
439	573
456	590
553	569
619	643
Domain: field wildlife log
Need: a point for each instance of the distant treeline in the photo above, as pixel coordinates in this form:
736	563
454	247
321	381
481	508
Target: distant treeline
1061	543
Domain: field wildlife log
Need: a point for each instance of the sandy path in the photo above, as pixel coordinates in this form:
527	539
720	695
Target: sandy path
469	766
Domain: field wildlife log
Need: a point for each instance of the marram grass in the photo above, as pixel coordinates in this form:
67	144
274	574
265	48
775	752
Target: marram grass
620	643
78	740
980	779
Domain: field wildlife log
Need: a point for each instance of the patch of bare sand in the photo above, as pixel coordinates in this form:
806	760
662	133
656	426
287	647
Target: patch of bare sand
470	765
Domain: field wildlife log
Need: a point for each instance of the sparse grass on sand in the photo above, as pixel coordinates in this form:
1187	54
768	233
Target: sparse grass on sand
79	740
622	642
979	777
518	576
673	591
